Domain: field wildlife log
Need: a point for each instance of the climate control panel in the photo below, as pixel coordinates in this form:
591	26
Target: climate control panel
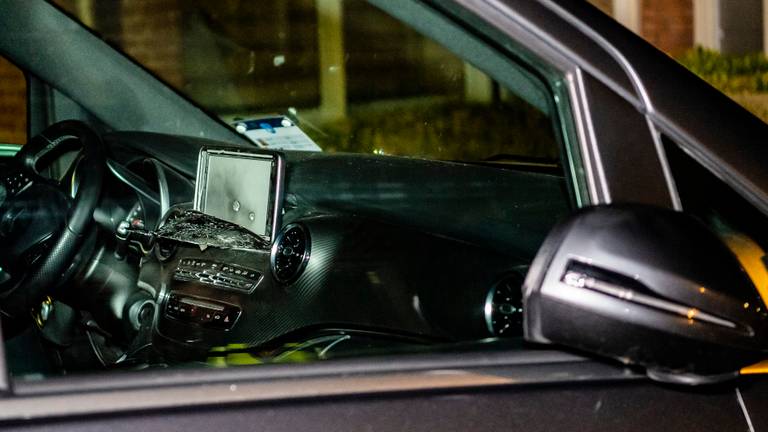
203	312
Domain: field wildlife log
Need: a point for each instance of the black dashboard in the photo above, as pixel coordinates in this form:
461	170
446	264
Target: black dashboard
407	249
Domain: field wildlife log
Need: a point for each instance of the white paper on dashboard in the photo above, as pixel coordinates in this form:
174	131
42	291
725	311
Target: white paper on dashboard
276	133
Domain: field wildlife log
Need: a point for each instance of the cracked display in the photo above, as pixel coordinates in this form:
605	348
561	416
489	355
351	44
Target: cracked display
241	187
189	226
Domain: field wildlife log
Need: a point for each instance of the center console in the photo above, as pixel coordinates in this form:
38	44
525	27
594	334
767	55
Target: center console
216	272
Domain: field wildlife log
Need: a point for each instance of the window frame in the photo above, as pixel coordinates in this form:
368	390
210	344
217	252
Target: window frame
488	58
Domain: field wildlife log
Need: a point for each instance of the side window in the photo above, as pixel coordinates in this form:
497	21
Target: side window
13	104
422	252
741	226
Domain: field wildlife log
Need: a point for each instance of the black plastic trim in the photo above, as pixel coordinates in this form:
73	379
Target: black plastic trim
161	390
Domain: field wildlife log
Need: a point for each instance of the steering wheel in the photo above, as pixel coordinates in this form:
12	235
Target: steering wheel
42	225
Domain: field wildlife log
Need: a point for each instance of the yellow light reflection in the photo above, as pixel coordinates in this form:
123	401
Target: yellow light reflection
750	256
758	368
692	313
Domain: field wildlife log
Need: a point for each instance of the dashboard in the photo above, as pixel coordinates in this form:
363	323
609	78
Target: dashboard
398	250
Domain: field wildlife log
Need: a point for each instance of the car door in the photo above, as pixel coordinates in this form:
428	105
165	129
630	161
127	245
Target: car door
527	389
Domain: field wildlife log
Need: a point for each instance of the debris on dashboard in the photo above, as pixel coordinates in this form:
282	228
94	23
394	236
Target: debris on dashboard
189	226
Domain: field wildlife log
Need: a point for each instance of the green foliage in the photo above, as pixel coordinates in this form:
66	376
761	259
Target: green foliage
731	74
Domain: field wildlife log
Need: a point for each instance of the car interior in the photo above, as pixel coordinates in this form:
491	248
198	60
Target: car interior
127	247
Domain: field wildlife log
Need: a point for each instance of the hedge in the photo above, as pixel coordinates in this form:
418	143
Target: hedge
744	77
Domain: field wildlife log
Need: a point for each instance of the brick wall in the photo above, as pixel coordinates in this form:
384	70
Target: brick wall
13	104
604	5
668	24
147	30
237	61
377	44
151	33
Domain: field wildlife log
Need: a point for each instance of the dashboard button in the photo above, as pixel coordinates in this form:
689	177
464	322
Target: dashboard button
203	312
217	274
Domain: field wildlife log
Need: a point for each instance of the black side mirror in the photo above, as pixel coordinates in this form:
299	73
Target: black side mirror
649	287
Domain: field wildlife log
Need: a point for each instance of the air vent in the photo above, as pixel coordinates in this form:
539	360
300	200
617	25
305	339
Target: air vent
290	253
504	307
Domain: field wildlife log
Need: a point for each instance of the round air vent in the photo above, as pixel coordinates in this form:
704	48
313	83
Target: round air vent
504	307
290	253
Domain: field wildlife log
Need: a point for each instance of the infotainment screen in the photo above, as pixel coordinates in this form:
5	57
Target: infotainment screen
241	187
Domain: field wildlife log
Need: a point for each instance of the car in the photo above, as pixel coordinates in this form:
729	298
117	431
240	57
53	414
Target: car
531	219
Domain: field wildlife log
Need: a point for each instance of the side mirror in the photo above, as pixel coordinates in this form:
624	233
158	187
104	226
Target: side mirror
648	287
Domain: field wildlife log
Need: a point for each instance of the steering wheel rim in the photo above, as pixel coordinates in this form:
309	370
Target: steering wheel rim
18	300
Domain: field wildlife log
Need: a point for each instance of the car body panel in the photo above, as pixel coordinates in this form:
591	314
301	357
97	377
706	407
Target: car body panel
529	389
599	406
728	140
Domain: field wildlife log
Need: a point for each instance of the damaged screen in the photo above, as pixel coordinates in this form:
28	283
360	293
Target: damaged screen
193	227
240	187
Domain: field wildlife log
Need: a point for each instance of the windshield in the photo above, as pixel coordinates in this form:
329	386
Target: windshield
330	76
